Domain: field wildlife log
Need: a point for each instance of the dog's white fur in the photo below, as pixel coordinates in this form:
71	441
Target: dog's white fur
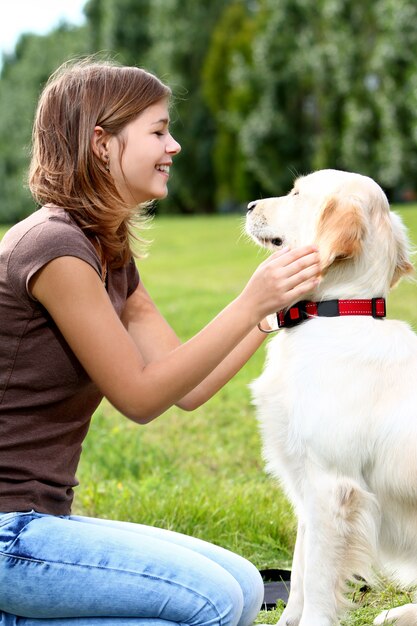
337	401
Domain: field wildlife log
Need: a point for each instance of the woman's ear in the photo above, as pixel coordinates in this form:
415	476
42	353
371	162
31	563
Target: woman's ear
99	143
340	229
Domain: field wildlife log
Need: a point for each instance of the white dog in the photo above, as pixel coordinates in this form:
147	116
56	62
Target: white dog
337	401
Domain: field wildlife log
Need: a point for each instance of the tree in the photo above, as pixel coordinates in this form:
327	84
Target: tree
120	28
335	84
229	95
181	32
23	75
380	112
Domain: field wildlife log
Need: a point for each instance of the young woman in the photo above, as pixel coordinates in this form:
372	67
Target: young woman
77	324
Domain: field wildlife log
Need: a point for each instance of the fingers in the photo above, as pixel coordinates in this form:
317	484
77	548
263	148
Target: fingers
298	265
299	271
288	256
285	277
301	289
302	270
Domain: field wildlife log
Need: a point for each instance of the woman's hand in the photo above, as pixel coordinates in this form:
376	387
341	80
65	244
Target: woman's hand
284	278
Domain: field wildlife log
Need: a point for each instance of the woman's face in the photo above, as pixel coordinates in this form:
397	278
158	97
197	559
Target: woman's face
141	170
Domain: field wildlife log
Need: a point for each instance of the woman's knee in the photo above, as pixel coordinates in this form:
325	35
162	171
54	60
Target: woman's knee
224	603
236	597
252	587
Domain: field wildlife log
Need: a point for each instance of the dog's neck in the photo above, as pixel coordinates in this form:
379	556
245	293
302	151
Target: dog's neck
357	279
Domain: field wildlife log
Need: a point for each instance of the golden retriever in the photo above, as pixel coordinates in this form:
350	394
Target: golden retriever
337	400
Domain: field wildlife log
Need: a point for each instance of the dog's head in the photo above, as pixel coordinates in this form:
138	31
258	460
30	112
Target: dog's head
363	246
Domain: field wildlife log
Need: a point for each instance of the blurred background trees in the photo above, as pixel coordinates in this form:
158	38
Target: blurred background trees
264	90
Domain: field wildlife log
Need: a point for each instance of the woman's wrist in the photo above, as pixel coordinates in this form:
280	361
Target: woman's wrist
244	305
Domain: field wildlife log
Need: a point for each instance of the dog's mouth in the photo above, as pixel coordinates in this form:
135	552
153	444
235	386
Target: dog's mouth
270	242
263	234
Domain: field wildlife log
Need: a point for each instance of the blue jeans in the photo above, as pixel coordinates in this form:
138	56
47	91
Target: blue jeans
78	571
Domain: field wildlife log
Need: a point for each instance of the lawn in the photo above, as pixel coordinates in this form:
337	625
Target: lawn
202	473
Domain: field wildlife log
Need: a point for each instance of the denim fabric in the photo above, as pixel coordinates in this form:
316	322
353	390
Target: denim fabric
77	571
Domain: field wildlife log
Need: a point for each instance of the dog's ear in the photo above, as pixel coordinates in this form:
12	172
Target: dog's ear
340	230
403	263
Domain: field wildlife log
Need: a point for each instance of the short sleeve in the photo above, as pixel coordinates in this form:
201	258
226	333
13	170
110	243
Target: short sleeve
42	243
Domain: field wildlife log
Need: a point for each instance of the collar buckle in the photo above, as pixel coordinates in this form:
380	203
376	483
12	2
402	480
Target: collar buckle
292	316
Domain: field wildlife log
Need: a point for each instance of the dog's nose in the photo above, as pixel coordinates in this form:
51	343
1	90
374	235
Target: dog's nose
251	205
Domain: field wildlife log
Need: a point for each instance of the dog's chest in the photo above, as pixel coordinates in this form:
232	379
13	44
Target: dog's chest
327	387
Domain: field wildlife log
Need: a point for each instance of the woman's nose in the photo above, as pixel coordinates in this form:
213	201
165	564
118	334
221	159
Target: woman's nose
173	147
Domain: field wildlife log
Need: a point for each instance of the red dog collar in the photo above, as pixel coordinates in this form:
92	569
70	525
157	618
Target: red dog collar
330	308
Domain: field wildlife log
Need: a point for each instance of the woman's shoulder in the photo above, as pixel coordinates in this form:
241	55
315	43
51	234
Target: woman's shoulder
46	234
49	229
48	219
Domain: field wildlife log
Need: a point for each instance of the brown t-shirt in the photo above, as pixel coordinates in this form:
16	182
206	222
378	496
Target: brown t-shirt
46	397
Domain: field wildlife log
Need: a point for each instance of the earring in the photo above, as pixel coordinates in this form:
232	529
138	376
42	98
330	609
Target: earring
107	163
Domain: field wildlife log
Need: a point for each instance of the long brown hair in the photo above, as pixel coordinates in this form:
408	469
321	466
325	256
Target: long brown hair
64	170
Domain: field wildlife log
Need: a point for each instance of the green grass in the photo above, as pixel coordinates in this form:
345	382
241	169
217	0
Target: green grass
201	473
367	604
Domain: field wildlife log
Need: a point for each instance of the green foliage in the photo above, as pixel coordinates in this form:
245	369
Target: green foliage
264	90
181	32
341	93
120	28
229	96
23	75
380	114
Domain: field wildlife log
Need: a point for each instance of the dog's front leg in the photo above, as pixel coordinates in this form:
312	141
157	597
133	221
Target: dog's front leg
339	537
292	612
320	579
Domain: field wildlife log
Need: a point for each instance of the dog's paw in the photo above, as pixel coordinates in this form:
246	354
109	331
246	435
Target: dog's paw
288	618
405	615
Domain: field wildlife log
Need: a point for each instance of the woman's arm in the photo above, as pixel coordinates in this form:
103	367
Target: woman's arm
154	338
140	383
